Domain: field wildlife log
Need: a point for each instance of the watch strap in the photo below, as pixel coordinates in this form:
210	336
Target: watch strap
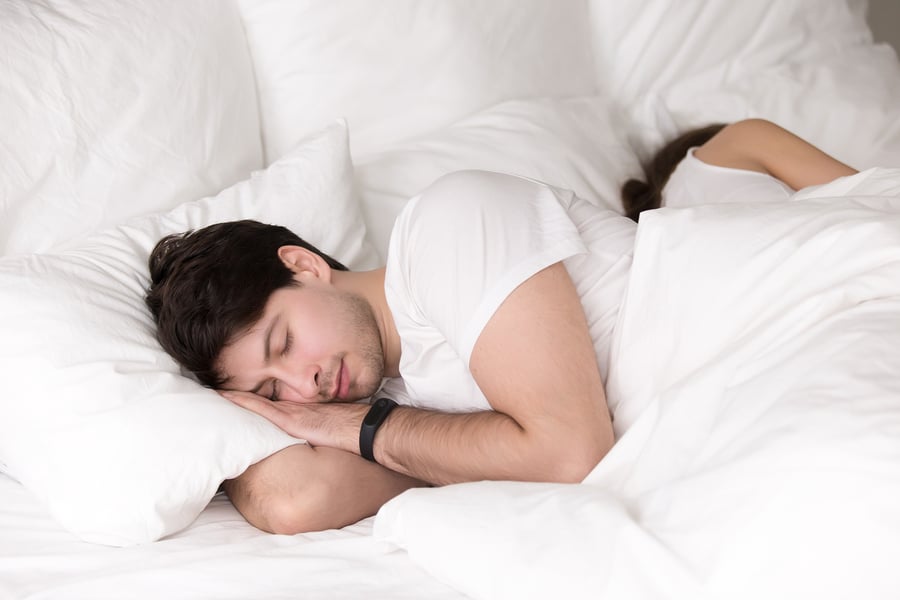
378	412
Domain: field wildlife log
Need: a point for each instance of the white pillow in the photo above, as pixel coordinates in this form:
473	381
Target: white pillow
95	419
397	68
118	108
579	144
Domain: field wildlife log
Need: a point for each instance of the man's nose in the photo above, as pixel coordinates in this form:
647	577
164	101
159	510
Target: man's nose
300	385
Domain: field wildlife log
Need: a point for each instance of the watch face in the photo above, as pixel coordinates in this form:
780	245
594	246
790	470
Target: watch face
377	411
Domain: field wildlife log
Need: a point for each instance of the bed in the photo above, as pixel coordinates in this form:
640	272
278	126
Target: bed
754	380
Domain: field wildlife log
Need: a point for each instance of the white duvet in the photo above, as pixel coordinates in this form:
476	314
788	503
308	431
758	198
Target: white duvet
755	384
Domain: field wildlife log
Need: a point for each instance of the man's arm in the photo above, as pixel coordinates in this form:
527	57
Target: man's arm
302	488
760	145
535	363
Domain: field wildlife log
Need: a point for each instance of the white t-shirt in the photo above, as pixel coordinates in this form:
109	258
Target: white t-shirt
463	245
695	182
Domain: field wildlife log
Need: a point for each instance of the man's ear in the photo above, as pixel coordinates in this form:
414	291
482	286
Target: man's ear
304	263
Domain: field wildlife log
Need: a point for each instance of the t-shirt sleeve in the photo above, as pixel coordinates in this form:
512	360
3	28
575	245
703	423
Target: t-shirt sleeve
463	245
694	182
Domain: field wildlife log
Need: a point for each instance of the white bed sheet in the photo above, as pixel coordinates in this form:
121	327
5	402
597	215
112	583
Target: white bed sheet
219	556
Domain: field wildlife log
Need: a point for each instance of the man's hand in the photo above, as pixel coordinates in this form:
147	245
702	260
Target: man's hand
318	424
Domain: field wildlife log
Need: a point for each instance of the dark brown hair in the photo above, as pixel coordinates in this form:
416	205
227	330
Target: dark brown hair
637	195
209	285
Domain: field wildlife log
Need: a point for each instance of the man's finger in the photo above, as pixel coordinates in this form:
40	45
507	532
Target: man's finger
254	403
279	415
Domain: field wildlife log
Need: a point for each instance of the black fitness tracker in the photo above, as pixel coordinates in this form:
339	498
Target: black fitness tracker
378	412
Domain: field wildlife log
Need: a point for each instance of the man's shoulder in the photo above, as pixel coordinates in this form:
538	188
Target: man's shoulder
459	195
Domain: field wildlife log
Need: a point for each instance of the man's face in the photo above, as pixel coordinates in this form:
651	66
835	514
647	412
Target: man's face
314	343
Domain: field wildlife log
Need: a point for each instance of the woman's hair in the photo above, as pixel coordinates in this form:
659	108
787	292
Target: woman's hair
637	195
210	285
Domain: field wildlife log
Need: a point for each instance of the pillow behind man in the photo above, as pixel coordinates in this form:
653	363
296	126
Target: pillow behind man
95	418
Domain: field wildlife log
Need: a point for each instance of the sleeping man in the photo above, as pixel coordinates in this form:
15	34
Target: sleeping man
485	337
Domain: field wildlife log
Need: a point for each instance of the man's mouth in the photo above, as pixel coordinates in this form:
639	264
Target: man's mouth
341	383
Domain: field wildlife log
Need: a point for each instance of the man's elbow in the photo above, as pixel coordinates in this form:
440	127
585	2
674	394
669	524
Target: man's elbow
282	512
576	468
574	461
287	516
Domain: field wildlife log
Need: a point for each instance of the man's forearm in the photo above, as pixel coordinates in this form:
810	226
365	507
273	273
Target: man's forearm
301	488
446	448
450	448
442	448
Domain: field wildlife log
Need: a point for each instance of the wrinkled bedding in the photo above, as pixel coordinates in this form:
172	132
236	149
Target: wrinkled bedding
754	384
